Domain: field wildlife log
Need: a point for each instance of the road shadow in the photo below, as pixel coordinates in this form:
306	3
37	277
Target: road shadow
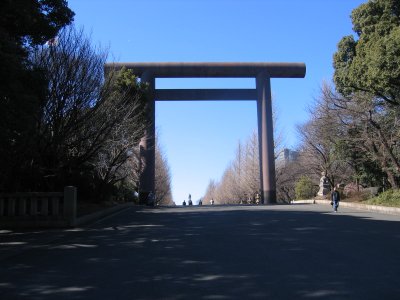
238	253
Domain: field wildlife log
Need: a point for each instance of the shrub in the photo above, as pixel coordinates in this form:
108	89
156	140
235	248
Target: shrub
304	188
388	198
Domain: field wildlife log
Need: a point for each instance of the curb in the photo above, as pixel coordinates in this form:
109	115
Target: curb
302	202
366	207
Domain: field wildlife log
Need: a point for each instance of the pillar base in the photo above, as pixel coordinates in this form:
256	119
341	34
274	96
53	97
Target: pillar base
143	196
269	197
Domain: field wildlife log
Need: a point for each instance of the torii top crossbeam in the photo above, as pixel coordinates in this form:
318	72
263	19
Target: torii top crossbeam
214	69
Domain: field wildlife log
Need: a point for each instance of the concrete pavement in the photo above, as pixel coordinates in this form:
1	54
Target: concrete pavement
232	252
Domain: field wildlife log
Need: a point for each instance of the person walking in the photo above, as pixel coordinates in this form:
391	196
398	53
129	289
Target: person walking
335	199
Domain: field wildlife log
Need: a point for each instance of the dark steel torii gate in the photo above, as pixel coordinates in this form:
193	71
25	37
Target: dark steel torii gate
262	72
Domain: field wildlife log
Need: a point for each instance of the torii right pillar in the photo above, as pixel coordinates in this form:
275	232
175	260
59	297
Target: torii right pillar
266	139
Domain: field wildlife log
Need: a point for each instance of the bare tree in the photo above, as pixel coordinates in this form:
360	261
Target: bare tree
241	180
89	125
371	132
226	191
287	174
163	193
321	141
210	191
251	167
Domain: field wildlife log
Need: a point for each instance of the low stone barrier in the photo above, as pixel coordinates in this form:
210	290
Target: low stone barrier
38	209
302	202
101	214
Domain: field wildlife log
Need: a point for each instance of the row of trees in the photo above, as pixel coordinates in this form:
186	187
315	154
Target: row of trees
353	133
163	192
241	179
240	183
62	120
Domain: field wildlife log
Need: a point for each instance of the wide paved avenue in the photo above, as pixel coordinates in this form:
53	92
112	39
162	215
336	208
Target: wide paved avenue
219	252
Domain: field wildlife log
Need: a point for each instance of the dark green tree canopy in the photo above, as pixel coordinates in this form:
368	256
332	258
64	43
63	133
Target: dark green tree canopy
25	24
33	22
371	61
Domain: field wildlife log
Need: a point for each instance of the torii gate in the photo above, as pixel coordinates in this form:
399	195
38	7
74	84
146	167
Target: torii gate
262	72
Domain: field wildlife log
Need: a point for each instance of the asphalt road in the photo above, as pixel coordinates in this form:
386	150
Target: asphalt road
274	252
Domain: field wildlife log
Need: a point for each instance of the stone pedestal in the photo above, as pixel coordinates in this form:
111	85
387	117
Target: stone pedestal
324	187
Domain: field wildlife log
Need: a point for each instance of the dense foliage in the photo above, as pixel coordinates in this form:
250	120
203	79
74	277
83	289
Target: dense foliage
371	61
24	26
367	78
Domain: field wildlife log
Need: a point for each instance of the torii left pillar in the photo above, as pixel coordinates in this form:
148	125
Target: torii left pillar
147	144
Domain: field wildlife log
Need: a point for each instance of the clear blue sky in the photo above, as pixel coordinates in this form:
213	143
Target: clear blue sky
200	138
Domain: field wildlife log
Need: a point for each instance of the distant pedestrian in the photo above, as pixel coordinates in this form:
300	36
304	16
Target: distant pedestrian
258	197
335	199
184	203
212	201
150	199
190	202
200	202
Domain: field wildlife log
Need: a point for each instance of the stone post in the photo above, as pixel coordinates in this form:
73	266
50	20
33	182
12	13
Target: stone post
70	204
